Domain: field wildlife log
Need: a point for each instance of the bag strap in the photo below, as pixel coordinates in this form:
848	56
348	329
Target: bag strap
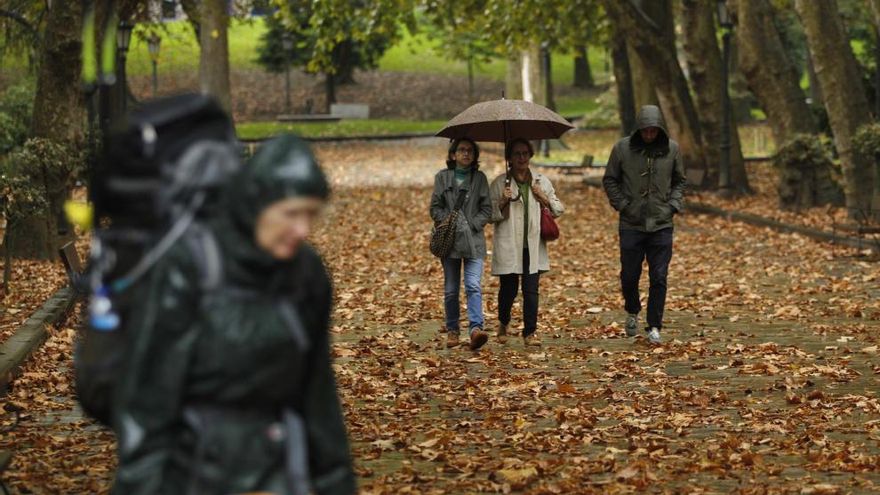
206	254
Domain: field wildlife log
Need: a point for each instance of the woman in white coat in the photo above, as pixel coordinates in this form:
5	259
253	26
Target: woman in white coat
519	255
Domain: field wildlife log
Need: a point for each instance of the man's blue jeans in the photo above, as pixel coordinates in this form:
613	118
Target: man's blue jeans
473	275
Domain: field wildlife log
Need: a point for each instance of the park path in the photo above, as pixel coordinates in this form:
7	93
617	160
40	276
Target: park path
767	381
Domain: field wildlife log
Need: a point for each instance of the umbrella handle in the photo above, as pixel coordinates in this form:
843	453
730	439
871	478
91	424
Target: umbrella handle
507	183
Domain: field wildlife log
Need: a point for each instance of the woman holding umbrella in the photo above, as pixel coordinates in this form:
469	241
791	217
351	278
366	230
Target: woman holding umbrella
461	185
519	252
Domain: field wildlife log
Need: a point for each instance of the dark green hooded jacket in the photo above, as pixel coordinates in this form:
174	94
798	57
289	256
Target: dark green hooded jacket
229	389
645	182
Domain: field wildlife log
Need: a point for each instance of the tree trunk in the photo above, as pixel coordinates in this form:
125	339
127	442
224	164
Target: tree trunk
59	114
344	63
547	76
583	76
770	74
653	39
844	94
470	69
531	74
193	15
644	92
704	63
214	58
815	87
513	79
329	91
626	105
875	15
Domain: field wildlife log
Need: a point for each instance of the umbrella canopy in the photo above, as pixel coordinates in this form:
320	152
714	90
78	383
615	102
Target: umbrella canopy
503	120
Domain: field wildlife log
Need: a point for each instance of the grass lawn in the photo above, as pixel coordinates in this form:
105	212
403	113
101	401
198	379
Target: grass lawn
180	51
343	128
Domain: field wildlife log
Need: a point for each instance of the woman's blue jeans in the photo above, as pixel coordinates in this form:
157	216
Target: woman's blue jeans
473	275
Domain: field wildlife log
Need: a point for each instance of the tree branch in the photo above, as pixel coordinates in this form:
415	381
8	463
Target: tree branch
22	21
632	6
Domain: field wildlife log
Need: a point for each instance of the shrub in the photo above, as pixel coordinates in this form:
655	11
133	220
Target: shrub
807	175
15	116
47	161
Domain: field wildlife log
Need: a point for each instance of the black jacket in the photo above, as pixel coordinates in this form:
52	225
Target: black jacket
645	182
230	389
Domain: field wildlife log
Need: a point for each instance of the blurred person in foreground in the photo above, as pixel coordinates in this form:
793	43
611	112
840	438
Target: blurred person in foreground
230	389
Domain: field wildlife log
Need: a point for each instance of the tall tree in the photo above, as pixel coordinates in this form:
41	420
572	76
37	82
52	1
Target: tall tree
770	73
644	91
58	115
214	53
704	63
652	37
844	94
583	75
623	78
328	26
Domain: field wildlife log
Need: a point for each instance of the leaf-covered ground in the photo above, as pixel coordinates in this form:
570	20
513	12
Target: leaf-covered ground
766	383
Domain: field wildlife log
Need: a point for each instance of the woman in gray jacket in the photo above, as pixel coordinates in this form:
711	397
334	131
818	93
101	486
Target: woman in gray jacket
462	177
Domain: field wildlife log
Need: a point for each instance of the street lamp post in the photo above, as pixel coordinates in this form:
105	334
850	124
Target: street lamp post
726	24
287	44
123	39
153	45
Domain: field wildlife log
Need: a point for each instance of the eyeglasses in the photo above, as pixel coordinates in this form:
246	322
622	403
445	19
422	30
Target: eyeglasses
464	151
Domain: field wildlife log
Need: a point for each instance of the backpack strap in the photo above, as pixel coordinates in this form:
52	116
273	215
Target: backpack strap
206	254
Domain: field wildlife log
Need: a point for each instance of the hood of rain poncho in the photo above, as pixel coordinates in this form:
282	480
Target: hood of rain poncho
283	168
650	116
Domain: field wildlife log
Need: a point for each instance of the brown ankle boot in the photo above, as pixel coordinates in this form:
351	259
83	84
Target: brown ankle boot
502	332
478	338
452	339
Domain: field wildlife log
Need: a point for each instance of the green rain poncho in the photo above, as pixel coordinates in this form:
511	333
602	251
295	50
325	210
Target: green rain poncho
230	389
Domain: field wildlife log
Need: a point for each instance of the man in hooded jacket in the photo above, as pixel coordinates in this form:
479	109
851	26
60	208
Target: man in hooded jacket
645	181
230	389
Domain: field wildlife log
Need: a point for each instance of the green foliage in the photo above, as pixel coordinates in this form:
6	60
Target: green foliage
47	162
15	116
331	23
867	140
20	30
804	151
807	176
271	54
348	53
20	198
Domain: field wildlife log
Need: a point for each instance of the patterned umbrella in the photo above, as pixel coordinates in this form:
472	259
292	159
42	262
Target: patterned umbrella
503	120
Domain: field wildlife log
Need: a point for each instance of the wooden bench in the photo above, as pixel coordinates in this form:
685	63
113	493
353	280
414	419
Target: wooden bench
572	167
74	268
72	263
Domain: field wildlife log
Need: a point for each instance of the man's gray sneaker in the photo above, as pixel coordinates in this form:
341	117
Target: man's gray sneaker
632	325
654	335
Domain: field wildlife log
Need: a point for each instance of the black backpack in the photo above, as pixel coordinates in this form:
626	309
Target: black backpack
160	174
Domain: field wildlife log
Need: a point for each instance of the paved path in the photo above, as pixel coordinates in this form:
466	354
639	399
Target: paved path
767	382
